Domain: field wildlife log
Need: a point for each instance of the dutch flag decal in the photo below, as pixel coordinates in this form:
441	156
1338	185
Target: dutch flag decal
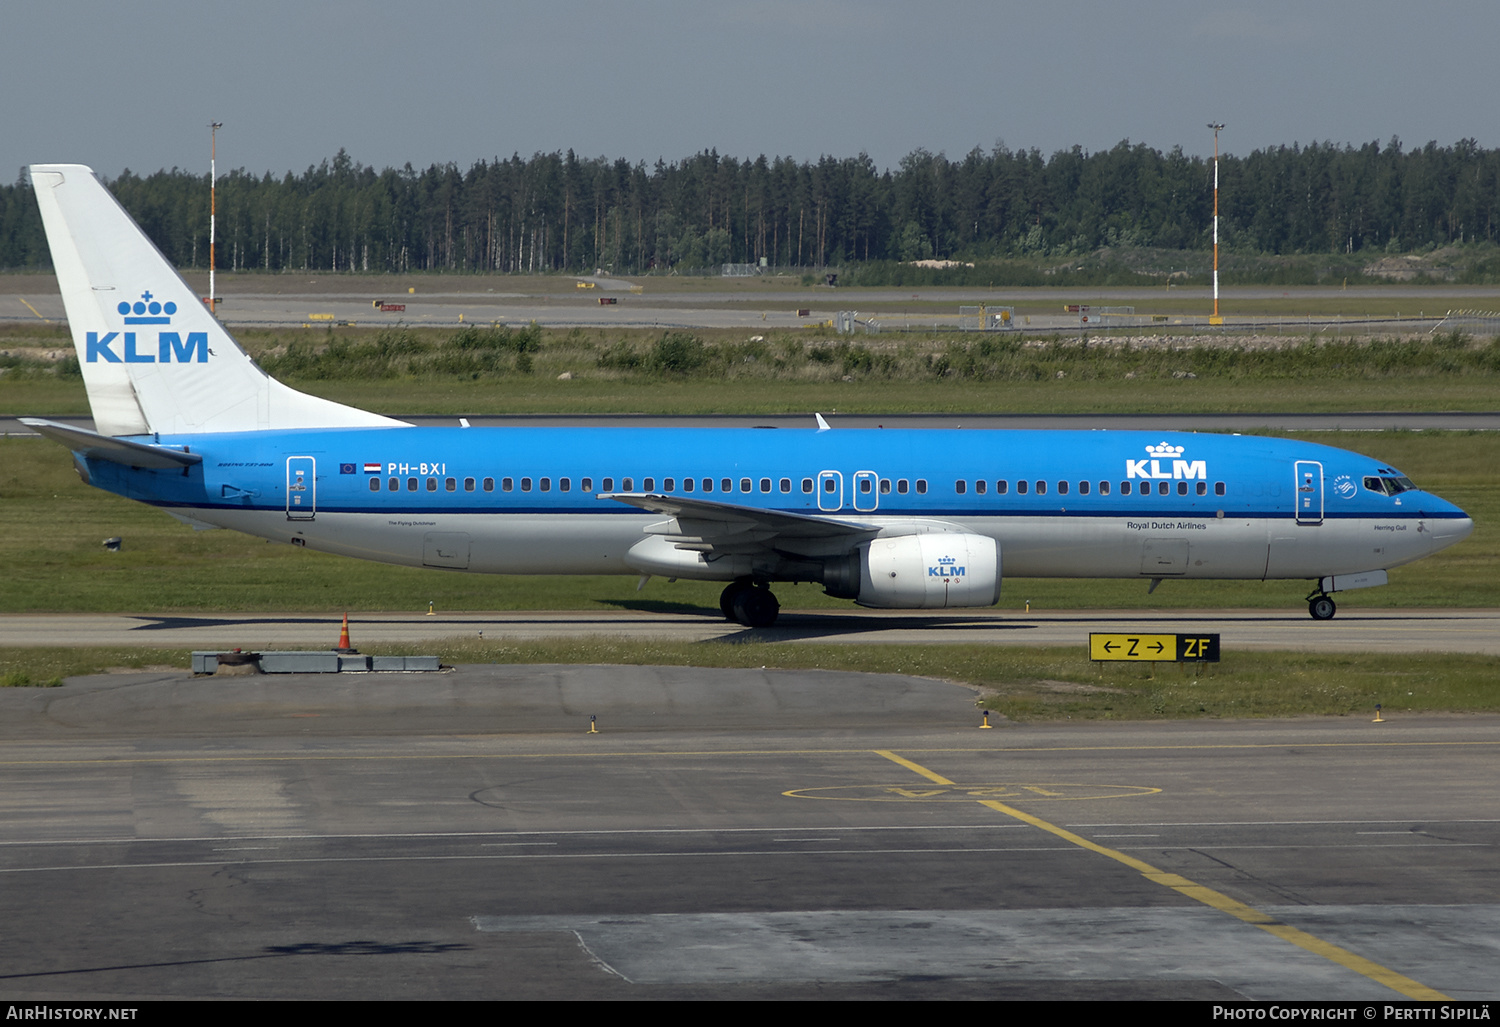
372	468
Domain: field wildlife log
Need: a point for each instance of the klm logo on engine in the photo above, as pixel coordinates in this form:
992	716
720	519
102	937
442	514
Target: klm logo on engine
947	567
1153	466
135	348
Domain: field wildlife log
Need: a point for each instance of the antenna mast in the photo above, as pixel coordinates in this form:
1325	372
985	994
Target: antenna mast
1216	126
213	156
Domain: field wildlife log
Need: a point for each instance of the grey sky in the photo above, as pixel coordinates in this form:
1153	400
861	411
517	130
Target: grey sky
135	85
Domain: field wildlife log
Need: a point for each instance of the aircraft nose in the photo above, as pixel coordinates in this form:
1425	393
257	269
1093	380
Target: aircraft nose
1449	530
1447	524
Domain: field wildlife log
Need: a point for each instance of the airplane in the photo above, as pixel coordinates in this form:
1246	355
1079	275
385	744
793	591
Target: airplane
891	519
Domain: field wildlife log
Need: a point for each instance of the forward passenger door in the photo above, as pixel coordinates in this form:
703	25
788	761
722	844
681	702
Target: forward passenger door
1309	492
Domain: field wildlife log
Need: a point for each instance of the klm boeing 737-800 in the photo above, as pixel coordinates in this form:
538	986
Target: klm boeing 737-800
921	519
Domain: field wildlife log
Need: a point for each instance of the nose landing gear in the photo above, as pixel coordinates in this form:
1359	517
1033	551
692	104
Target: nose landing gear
1321	606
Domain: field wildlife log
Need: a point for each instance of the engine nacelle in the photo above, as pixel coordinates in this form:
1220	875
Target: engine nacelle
931	571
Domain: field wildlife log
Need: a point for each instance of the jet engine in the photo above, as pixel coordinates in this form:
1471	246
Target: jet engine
931	571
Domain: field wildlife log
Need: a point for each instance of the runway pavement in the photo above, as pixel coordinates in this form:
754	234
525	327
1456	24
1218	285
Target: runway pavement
726	834
1472	631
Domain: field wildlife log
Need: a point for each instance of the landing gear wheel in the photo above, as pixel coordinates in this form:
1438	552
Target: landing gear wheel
756	608
1322	608
730	594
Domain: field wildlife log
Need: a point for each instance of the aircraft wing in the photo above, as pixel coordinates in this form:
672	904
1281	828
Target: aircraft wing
708	526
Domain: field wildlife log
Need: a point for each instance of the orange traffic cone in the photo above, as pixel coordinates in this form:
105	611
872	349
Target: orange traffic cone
344	646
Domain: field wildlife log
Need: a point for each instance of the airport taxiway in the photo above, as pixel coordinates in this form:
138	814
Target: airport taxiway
1353	630
264	301
726	834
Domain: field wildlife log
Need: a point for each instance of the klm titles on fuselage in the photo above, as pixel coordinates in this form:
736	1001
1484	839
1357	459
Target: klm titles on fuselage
170	347
1186	470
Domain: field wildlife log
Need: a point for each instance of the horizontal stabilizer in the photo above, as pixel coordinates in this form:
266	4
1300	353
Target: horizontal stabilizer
93	446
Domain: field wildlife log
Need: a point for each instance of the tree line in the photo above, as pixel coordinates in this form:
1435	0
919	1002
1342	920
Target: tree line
562	212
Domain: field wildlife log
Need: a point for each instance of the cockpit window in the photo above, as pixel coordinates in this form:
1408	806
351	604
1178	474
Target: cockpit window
1390	486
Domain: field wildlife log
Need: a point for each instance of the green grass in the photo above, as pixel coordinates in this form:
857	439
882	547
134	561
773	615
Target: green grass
1056	683
481	371
52	526
748	397
1022	684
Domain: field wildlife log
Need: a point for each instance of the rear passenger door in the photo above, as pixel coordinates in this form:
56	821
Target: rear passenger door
301	488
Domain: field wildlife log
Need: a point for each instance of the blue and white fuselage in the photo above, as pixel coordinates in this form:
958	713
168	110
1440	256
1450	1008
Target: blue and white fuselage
549	500
889	518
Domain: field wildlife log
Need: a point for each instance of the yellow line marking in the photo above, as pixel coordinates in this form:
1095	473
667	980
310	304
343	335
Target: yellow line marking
31	308
1069	836
930	775
1208	896
970	792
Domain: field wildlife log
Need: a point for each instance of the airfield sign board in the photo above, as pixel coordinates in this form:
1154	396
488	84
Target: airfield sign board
1159	647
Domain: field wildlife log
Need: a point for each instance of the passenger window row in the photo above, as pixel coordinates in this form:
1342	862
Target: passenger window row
1084	488
449	484
746	485
830	485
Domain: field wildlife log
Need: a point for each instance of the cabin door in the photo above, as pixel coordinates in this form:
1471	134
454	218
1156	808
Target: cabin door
866	491
1309	492
301	488
830	491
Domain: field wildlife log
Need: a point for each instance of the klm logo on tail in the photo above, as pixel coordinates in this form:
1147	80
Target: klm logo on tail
170	347
146	305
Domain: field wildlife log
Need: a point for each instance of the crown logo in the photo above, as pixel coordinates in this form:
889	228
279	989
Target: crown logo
147	311
946	560
1164	449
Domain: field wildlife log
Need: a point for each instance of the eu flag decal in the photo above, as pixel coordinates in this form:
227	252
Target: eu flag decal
346	468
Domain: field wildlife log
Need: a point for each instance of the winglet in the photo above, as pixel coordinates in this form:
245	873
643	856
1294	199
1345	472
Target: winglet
822	424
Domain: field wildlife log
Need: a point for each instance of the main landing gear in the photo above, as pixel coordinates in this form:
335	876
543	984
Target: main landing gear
1321	606
750	604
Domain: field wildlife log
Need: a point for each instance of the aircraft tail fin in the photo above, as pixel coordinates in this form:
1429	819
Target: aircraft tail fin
153	358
